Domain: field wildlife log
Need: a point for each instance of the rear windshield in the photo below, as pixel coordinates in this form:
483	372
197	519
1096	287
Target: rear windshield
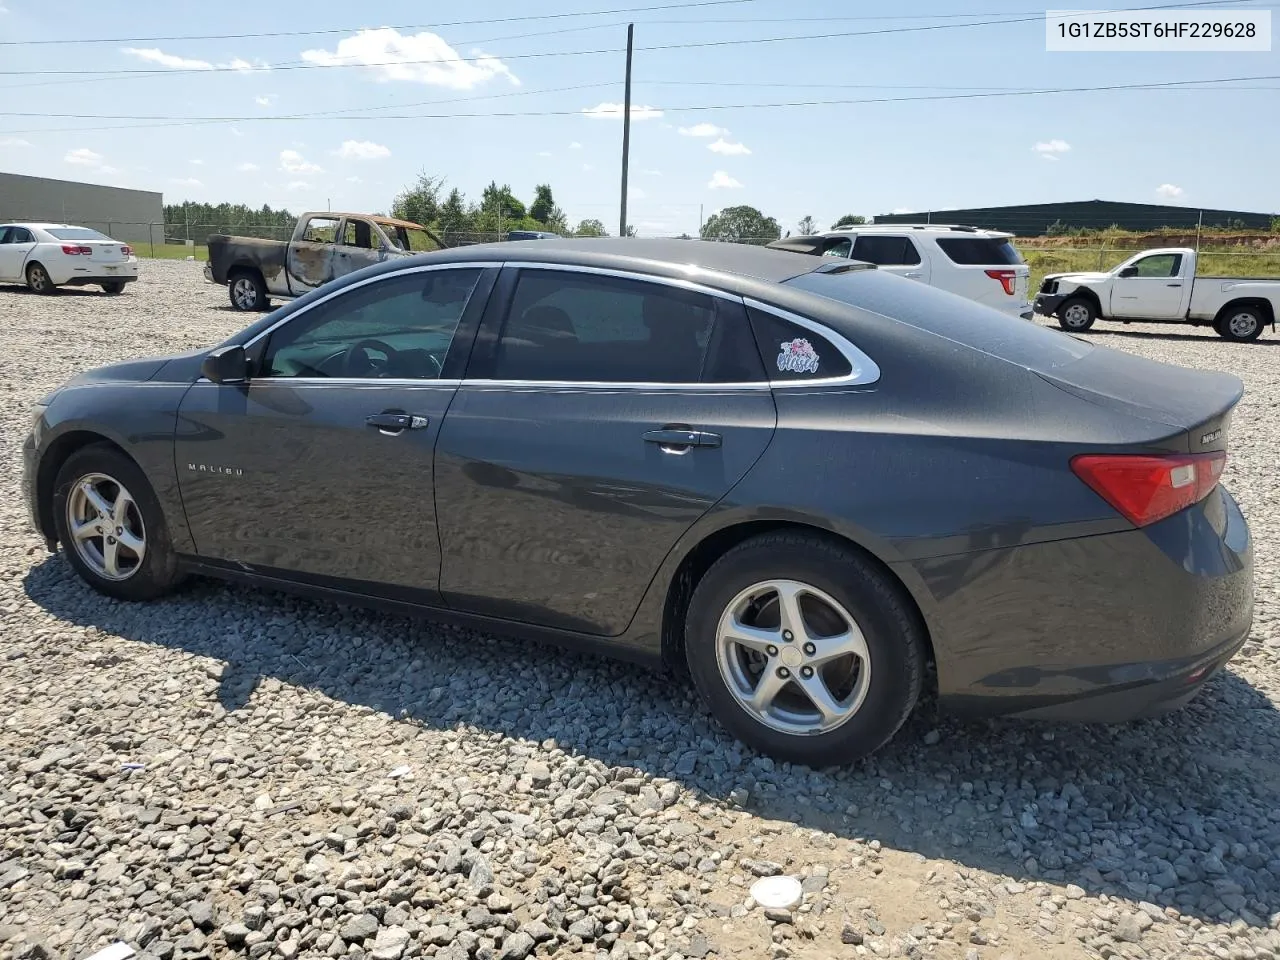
947	315
979	251
77	233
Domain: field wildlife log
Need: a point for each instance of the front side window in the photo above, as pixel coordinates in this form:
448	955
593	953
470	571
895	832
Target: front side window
397	328
320	230
586	328
1160	265
20	235
886	251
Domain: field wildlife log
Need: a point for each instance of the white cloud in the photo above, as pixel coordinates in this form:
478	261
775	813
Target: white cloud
902	210
247	167
186	182
575	145
297	185
1051	149
727	148
362	150
418	58
170	60
588	167
613	111
198	163
1168	191
703	130
635	193
14	142
354	180
722	181
544	153
244	66
265	100
83	157
291	161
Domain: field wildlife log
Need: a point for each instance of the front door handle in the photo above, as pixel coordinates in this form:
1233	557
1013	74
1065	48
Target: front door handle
912	273
1175	284
393	423
681	439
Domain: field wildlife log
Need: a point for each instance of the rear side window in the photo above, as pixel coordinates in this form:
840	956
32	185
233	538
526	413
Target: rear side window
77	233
586	328
793	352
979	251
320	230
886	251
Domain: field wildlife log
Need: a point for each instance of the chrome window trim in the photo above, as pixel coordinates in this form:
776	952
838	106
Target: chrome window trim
421	268
691	285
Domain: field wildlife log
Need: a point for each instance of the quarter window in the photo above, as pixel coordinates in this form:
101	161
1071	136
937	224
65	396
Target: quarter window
886	251
586	328
320	230
793	352
398	328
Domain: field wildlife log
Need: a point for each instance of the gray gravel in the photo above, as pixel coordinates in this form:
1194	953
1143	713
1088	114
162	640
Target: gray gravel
318	781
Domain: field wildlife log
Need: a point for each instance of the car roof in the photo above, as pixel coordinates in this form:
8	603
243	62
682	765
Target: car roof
644	255
918	228
42	226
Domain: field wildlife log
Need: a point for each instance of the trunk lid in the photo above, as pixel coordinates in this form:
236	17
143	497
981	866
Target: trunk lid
1195	405
104	252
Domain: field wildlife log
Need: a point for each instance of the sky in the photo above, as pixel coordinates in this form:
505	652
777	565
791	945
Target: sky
724	112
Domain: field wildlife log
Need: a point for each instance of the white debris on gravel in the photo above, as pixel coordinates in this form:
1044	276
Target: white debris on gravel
561	804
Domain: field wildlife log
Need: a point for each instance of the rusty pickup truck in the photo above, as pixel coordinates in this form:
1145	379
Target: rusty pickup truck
323	246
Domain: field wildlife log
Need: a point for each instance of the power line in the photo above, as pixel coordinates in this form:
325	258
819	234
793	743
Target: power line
705	44
191	121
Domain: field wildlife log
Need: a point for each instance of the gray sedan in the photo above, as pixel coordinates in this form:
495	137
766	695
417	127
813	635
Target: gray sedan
815	487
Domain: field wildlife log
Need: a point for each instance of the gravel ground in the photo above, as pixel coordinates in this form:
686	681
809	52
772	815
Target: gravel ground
235	773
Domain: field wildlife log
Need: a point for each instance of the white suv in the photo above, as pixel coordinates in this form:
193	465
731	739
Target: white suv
979	264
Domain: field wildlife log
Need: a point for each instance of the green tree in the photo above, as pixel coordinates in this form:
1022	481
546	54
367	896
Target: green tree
1275	224
849	220
806	226
419	203
454	217
590	228
741	224
501	202
543	205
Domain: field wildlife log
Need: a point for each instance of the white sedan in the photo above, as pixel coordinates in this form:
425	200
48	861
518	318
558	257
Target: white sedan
46	256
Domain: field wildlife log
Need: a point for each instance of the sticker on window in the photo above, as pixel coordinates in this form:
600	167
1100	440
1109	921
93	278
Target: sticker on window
798	356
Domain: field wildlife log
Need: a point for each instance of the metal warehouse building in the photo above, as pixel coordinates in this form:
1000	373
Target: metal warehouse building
135	216
1035	219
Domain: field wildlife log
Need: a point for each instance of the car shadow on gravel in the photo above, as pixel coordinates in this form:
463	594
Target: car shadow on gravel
1181	811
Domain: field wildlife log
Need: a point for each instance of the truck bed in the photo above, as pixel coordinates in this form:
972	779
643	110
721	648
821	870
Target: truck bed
226	252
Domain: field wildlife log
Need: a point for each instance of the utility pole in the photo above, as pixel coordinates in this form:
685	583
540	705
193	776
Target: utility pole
699	221
626	133
1199	224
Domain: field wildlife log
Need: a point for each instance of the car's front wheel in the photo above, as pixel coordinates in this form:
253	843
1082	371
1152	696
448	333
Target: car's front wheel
38	279
111	526
1077	315
804	650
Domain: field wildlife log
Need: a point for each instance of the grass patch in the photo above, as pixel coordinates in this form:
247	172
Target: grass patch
170	251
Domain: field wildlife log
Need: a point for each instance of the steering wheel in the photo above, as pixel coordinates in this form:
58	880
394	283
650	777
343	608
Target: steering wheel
367	365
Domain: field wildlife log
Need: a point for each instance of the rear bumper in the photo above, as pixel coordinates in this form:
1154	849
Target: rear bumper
66	273
1103	628
1047	304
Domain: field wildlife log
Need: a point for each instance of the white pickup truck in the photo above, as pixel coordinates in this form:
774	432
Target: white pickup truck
1161	285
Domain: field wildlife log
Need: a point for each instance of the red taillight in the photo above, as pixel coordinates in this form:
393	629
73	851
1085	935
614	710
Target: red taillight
1149	488
127	251
76	251
1006	278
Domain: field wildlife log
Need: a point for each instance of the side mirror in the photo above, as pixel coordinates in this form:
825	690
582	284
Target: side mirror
1129	272
226	365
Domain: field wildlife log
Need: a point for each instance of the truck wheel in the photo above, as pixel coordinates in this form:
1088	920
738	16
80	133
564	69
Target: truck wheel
1077	314
247	291
1241	324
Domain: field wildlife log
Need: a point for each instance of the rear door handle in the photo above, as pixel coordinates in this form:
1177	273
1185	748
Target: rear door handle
679	438
392	423
1175	284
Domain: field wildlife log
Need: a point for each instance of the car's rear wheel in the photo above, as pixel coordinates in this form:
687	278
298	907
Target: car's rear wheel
804	650
1077	314
1242	324
38	279
247	291
111	525
113	287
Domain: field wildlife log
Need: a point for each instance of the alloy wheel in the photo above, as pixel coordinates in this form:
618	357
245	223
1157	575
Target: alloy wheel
106	527
793	657
38	278
244	293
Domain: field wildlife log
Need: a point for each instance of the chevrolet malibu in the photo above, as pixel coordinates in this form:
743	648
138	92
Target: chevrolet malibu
815	486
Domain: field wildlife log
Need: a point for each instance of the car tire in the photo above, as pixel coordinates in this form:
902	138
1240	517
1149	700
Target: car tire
1241	324
247	291
869	699
113	287
39	281
110	473
1077	314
